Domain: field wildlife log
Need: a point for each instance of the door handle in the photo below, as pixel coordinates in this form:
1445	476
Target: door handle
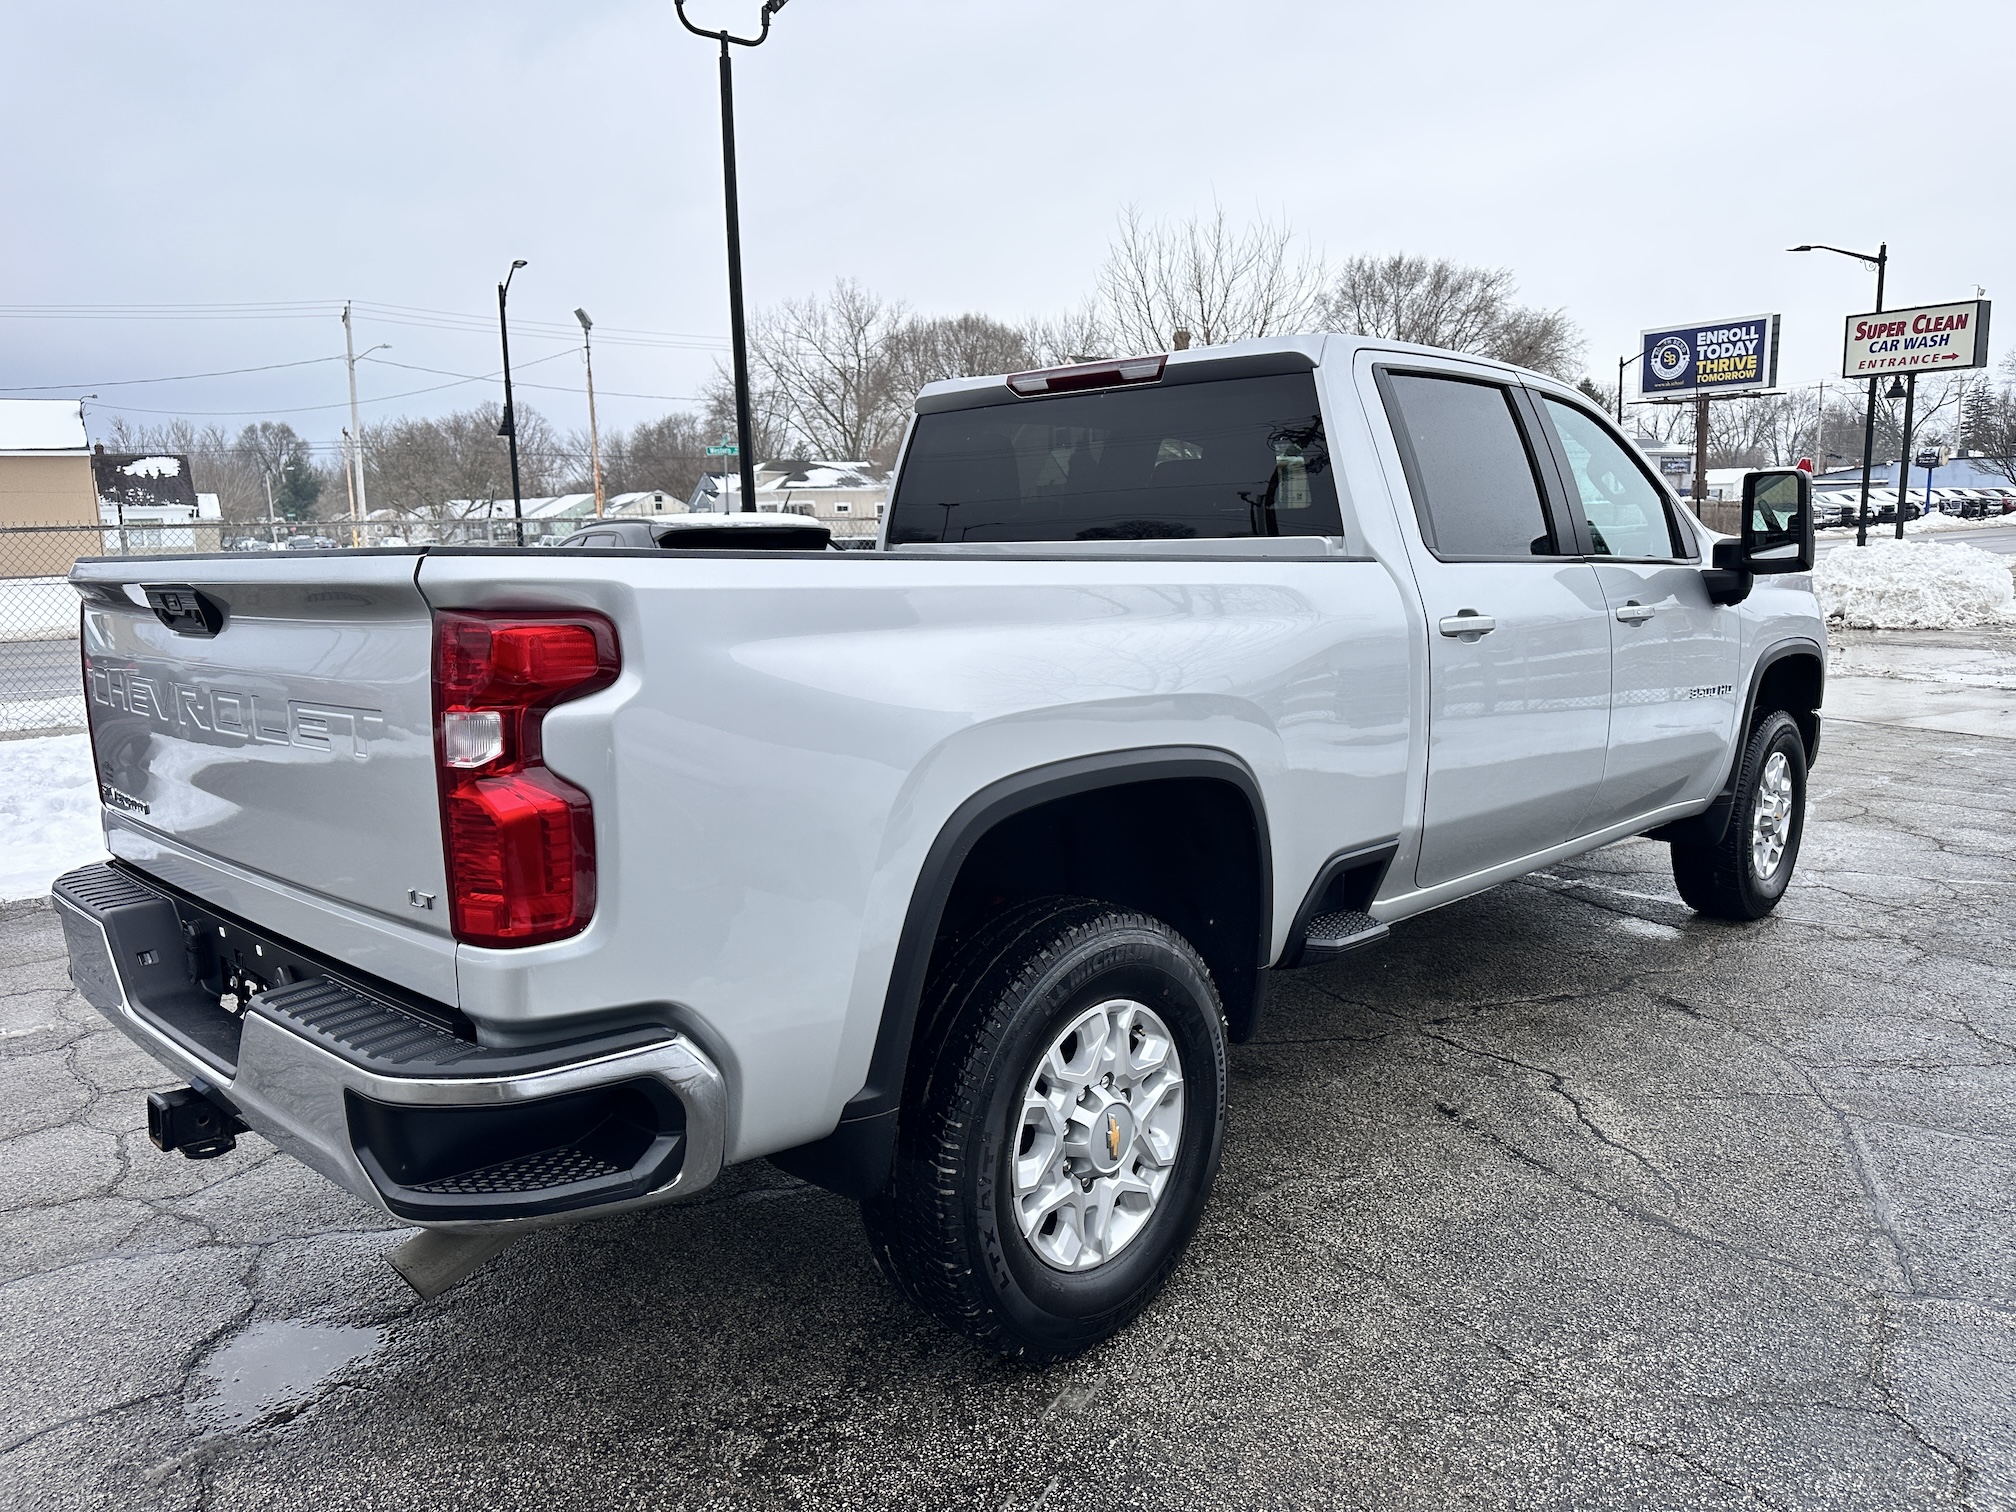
1635	613
1467	624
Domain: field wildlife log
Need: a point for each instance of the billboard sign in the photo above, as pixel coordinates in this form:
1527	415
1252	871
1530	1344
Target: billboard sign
1718	357
1920	340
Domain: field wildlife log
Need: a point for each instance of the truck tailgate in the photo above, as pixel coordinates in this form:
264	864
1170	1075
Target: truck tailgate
294	739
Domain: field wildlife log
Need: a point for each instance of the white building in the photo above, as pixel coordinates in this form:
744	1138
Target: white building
847	497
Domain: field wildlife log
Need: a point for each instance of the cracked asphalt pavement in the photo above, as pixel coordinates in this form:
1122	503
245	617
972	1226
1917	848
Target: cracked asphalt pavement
1561	1198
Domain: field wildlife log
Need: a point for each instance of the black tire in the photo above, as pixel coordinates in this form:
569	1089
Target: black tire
946	1230
1722	880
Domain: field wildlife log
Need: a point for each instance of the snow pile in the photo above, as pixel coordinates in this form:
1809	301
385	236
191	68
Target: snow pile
1915	585
43	608
1940	521
48	812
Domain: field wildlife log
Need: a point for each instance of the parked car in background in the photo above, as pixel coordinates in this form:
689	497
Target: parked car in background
751	531
312	543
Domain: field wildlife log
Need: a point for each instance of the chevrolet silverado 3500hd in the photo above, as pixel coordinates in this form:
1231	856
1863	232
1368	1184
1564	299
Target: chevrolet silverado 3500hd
508	887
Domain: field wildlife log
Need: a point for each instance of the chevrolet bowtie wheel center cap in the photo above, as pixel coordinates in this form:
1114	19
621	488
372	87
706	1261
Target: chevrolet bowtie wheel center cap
1097	1134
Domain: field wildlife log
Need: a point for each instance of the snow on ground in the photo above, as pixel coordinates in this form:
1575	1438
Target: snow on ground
37	609
1915	585
48	812
17	714
1936	521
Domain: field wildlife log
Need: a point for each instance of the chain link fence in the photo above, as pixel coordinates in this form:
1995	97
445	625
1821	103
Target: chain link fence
40	672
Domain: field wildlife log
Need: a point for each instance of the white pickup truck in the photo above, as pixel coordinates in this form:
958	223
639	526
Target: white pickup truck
509	887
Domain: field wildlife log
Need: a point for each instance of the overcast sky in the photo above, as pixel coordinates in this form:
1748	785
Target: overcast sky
1636	164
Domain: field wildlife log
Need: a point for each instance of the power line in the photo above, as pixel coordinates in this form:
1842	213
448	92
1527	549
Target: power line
306	309
24	388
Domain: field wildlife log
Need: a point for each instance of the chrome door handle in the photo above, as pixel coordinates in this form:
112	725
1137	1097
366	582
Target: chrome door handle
1467	624
1635	613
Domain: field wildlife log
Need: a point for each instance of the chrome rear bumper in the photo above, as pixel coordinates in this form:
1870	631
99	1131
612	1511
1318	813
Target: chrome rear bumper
396	1110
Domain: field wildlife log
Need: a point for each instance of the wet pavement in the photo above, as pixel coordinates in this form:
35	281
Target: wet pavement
1561	1198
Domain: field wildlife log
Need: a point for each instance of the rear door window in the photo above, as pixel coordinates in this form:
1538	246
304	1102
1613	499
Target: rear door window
1476	491
1215	460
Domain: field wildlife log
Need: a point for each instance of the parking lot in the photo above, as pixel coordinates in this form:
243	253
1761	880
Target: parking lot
1560	1198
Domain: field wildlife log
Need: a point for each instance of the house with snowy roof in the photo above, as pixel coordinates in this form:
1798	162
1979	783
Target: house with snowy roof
847	497
147	488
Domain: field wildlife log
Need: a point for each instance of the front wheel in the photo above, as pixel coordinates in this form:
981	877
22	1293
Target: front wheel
1745	876
1057	1147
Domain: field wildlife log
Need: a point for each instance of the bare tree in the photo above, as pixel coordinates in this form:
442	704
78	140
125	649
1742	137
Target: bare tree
825	367
420	467
1990	424
926	350
1077	335
1446	304
1203	277
668	453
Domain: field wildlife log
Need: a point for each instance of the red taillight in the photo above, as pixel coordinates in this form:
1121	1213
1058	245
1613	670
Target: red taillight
520	840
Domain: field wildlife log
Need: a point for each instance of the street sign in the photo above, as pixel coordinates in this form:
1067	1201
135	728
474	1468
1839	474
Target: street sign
1717	357
1925	339
726	450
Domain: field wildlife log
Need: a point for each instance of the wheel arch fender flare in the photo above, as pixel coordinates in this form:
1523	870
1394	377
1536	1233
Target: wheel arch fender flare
1712	823
856	1158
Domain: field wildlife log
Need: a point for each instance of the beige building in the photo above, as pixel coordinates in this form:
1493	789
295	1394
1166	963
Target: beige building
45	479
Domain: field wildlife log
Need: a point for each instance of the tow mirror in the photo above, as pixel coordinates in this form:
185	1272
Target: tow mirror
1777	534
1778	521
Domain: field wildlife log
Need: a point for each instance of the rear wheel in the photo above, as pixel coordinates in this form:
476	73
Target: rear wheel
1057	1147
1746	874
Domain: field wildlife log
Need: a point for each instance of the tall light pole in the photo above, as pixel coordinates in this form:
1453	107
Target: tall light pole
594	437
510	426
1880	261
744	439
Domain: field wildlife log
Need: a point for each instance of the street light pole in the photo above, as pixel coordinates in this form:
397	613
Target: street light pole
594	436
510	426
1904	454
744	439
1880	261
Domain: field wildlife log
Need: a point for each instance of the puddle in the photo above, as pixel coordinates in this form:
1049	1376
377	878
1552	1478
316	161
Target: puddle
273	1365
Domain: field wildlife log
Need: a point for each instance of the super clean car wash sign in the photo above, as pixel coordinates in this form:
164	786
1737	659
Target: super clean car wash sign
1719	357
1917	341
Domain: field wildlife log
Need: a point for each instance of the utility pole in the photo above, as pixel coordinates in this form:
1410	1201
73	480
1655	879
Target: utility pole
510	426
355	471
349	489
744	430
594	436
1700	456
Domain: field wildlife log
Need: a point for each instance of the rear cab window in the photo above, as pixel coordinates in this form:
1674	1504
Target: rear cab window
1217	459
